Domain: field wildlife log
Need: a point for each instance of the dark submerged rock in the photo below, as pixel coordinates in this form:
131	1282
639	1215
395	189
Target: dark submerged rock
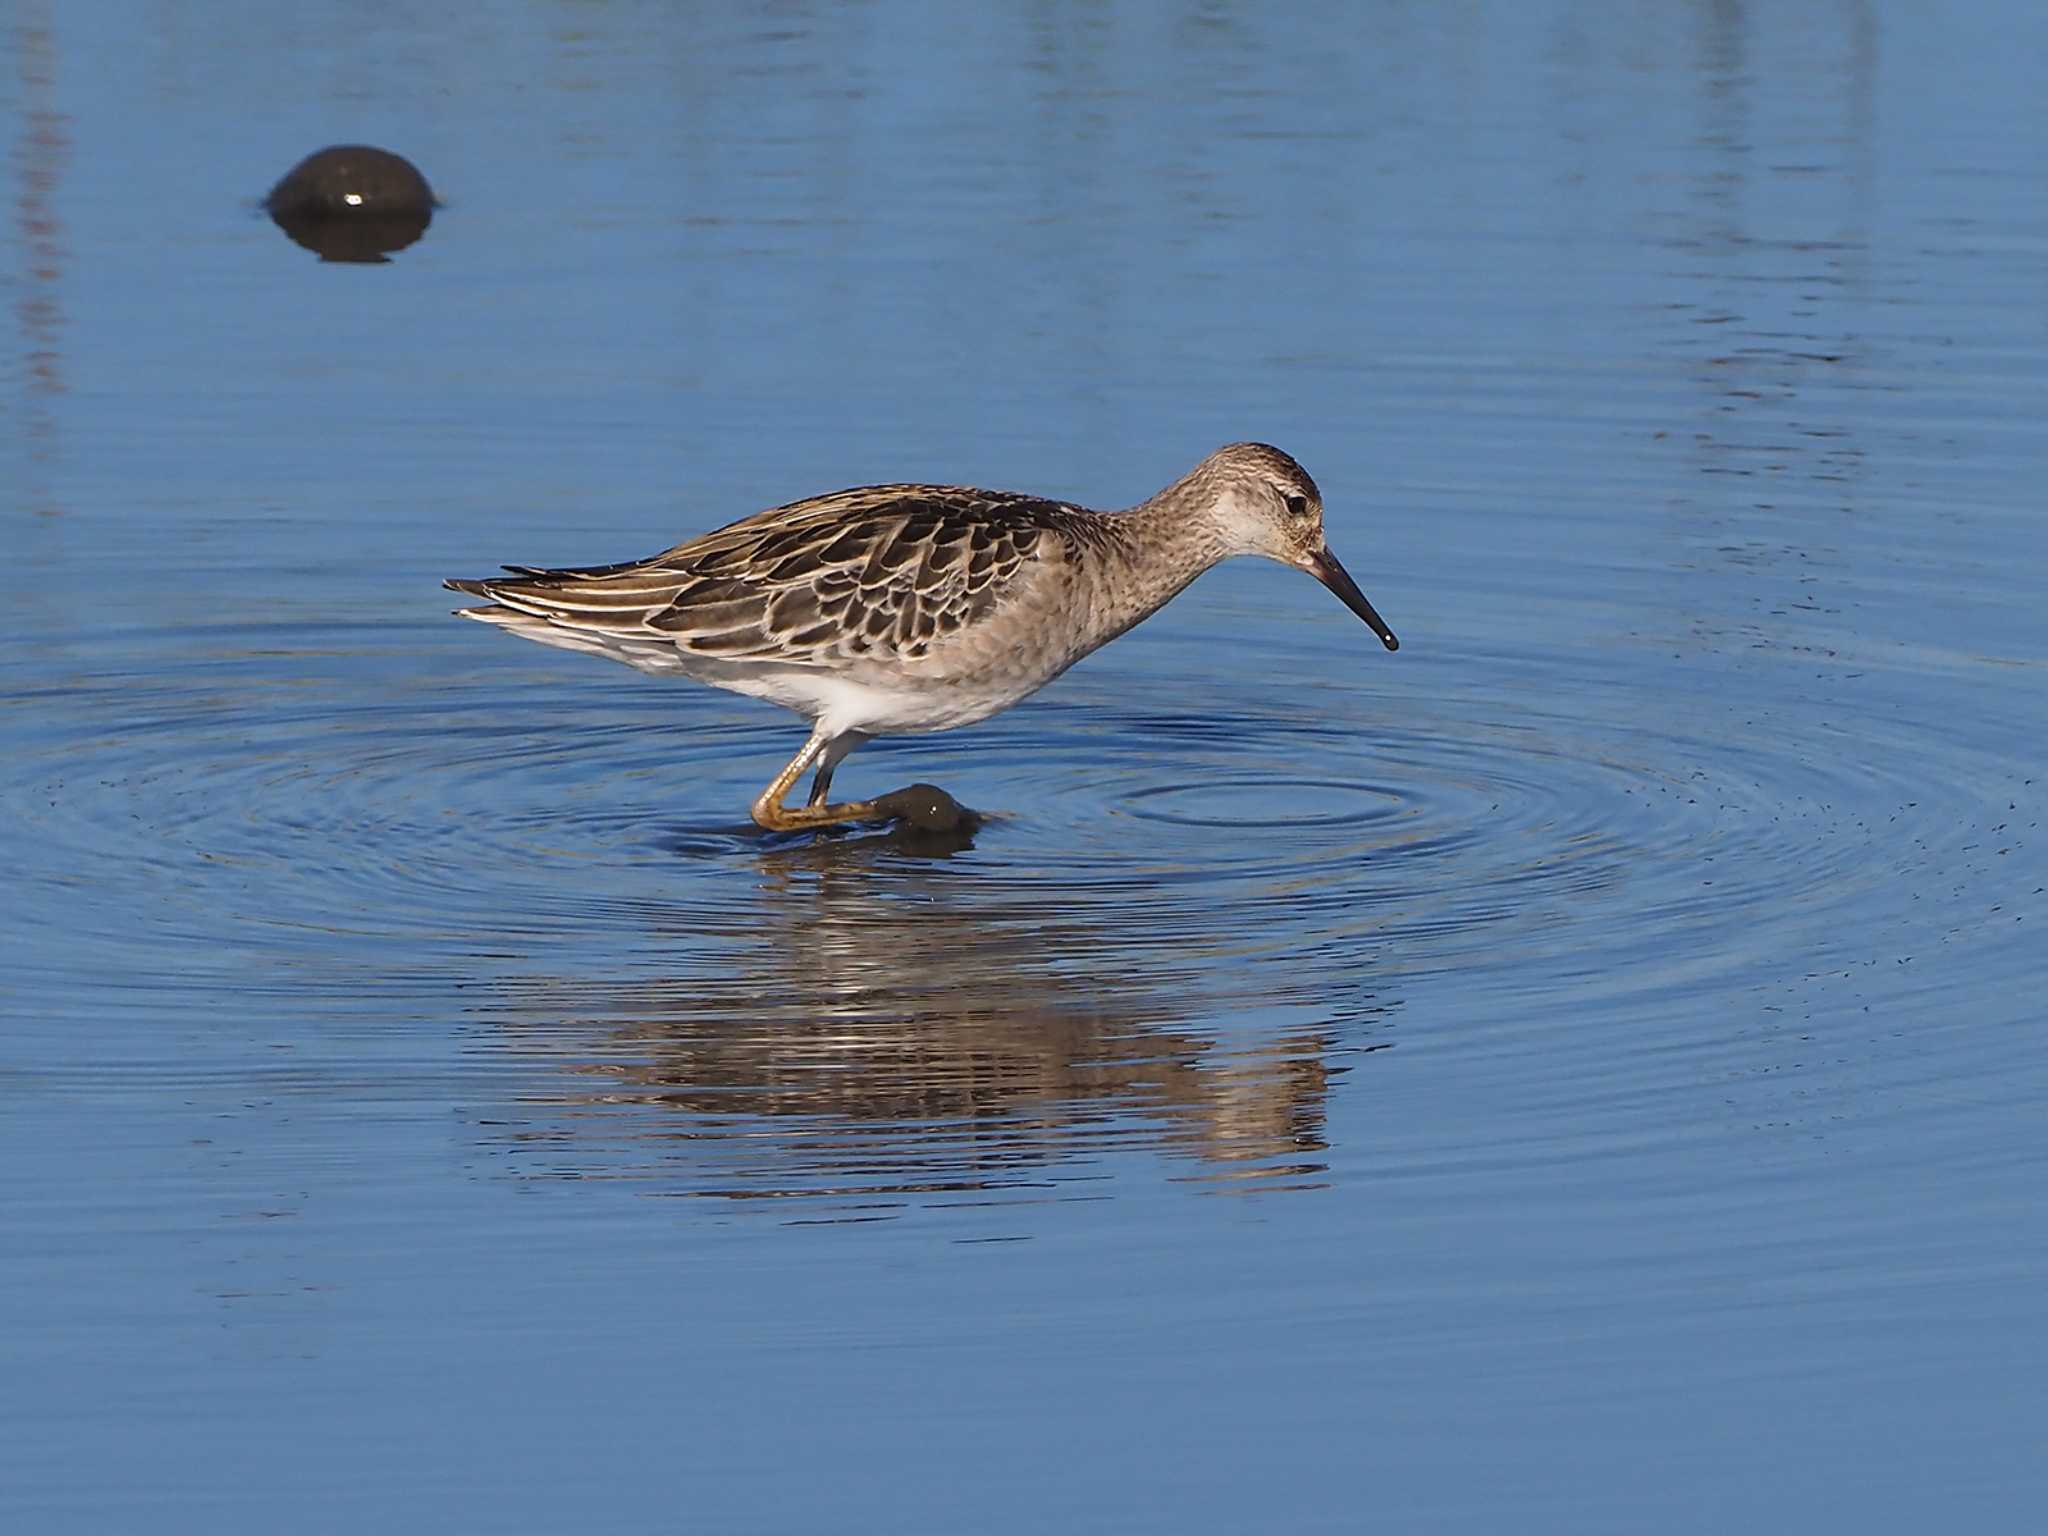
926	807
352	202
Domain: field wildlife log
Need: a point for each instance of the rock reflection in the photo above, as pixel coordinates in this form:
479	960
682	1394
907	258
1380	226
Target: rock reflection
876	1033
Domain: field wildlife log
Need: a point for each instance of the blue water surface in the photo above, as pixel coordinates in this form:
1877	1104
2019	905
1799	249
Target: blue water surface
1579	1073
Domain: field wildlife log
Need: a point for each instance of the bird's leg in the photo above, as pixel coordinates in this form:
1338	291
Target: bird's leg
920	805
825	751
834	754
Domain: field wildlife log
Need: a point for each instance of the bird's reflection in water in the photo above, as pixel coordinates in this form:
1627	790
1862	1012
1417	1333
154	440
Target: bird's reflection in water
877	1027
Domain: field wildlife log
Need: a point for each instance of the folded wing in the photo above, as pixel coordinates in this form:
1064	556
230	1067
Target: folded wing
886	572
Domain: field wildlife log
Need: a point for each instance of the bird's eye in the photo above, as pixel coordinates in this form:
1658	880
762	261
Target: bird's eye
1297	505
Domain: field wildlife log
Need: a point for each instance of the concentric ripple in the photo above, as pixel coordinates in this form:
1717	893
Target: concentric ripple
1181	914
335	792
1252	804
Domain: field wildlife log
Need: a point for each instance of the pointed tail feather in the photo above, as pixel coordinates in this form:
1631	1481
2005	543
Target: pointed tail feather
658	656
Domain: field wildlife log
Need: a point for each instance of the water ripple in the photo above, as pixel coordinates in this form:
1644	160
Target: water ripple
1170	928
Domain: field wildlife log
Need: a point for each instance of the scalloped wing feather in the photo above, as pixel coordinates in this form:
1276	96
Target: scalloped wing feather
881	572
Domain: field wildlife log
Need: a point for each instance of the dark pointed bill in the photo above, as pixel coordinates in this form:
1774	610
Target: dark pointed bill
1324	568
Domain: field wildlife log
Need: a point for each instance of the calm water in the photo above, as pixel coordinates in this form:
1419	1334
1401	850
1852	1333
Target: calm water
1579	1073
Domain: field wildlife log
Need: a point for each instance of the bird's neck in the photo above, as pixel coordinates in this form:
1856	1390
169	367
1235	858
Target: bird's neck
1152	552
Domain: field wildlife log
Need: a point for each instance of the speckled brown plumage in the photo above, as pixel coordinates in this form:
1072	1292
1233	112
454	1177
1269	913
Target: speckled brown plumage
894	608
876	573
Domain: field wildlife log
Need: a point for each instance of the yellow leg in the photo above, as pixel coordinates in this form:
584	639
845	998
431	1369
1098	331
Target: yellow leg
772	814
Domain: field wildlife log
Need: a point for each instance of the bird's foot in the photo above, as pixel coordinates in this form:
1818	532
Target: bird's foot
923	806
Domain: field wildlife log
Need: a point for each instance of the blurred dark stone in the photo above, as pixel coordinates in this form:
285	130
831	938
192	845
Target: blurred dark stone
350	202
927	808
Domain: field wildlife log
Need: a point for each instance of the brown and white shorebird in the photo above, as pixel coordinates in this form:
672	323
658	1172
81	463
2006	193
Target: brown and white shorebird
901	608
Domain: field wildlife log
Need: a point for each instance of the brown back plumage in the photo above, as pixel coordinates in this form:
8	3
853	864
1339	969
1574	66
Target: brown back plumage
879	571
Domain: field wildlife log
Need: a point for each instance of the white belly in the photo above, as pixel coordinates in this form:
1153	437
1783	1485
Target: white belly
839	703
